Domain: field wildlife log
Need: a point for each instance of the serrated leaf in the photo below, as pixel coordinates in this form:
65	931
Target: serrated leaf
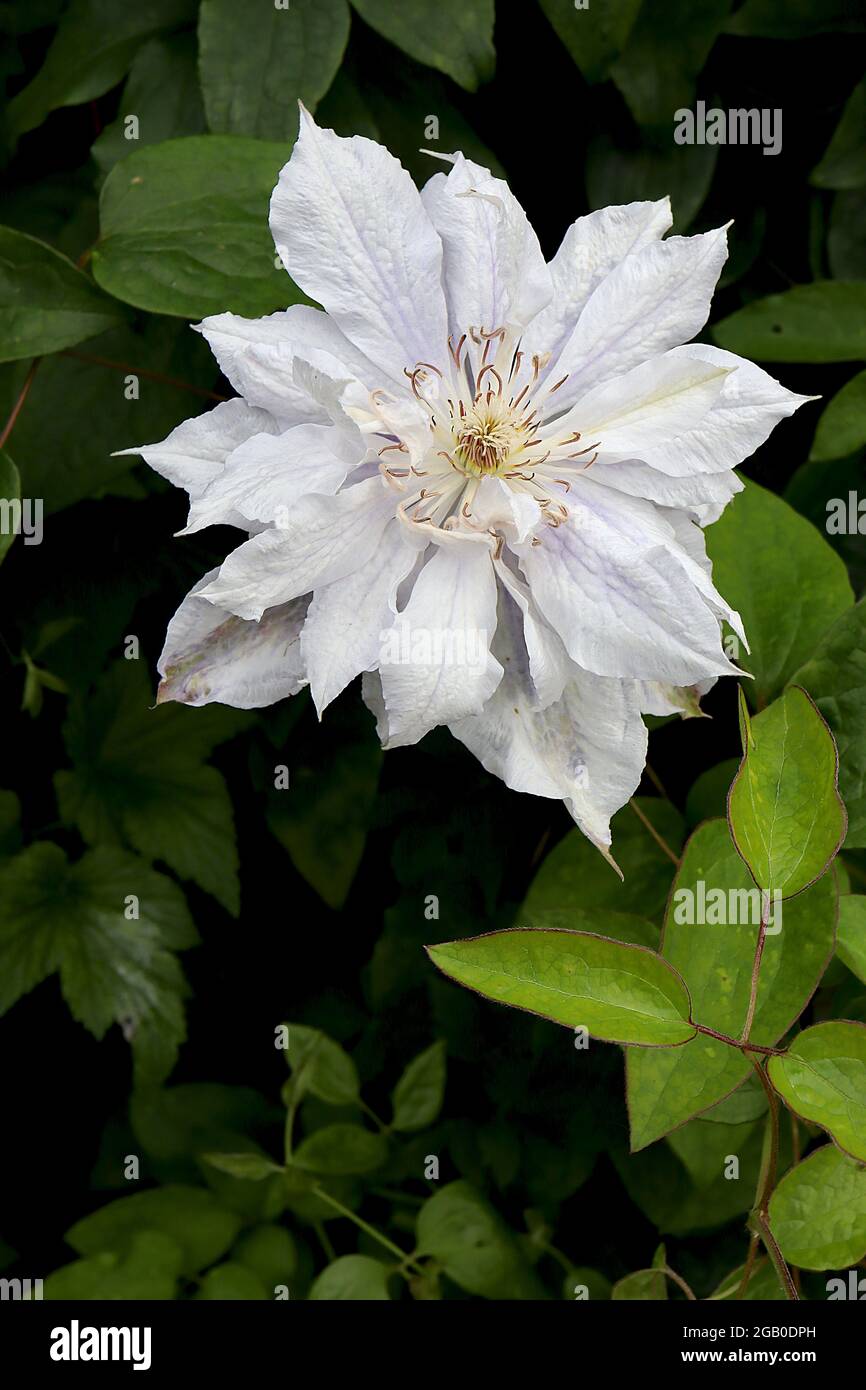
618	992
786	816
818	1211
148	1270
822	322
822	1078
46	303
258	60
418	1095
459	42
851	934
666	1088
184	228
190	1216
595	44
835	677
320	1067
354	1277
463	1233
340	1151
783	578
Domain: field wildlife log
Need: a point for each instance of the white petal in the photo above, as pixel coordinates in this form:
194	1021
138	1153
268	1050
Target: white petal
705	495
270	473
195	452
653	300
344	628
549	665
655	698
350	227
435	664
212	656
494	272
325	538
591	248
497	507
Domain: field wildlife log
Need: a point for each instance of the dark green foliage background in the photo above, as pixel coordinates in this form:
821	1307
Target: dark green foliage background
333	875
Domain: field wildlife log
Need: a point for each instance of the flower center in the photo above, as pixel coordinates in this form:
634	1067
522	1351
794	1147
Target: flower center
487	438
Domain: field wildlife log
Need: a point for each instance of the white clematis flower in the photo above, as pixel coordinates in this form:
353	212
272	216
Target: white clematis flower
476	477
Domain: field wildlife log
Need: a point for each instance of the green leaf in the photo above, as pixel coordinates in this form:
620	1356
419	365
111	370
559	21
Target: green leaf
320	1067
340	1150
352	1277
644	1283
71	918
666	1088
818	1211
190	1216
619	993
835	677
574	875
601	921
162	92
844	161
666	50
92	49
418	1095
46	303
138	775
251	1167
708	794
846	237
231	1283
842	425
184	228
823	322
617	173
763	1285
795	19
822	1078
593	41
784	808
10	493
463	1233
851	934
785	581
149	1269
258	60
458	39
271	1252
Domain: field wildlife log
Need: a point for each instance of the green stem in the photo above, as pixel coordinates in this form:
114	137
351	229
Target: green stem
404	1258
737	1043
767	1182
660	841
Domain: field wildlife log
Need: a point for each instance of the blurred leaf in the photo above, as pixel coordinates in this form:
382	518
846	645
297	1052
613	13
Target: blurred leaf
818	1211
184	228
10	822
844	161
148	1270
615	174
271	1252
468	1239
593	40
258	60
708	795
846	239
10	493
666	49
456	38
619	993
231	1283
249	1167
193	1218
418	1095
823	322
822	1078
644	1283
835	677
45	302
354	1277
786	816
162	93
714	957
320	1067
340	1151
175	1123
91	50
795	19
851	934
345	109
71	918
138	776
763	1286
784	580
842	426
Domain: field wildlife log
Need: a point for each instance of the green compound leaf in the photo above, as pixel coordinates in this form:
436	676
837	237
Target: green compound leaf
818	1211
46	303
418	1095
715	958
851	934
184	228
835	677
619	993
822	322
786	815
822	1077
258	60
200	1225
783	578
458	40
354	1277
475	1248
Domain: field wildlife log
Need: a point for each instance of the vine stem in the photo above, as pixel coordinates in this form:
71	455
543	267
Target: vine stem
680	1282
756	970
404	1258
22	396
736	1042
766	1184
660	841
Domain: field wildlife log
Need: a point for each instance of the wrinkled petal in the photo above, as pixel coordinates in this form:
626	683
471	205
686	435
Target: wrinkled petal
347	619
705	495
655	698
212	656
436	664
324	539
550	668
351	230
493	269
